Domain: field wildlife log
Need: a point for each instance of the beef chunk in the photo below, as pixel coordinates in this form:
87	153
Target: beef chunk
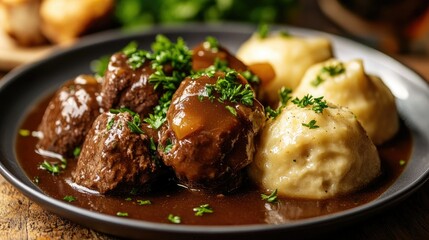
114	154
69	115
212	141
127	87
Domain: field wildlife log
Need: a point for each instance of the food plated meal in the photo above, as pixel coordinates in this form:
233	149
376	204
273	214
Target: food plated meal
172	164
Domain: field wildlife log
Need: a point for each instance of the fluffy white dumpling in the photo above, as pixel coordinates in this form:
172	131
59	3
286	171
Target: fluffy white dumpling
365	95
290	57
333	157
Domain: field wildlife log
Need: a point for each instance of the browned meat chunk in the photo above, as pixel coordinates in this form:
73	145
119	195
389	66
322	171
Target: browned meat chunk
114	153
212	140
127	87
69	115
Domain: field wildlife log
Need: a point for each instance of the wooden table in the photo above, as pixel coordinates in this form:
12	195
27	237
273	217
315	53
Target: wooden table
20	218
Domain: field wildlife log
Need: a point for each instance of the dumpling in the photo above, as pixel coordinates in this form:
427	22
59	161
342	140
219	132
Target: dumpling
346	84
290	57
305	154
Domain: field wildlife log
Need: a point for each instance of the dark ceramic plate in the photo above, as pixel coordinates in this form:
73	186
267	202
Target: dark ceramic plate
24	87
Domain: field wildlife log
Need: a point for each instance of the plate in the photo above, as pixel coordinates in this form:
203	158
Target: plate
24	87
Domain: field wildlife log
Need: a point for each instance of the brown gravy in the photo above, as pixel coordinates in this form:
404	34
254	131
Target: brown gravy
242	207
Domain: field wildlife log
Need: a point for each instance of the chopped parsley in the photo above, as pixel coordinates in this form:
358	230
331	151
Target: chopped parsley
144	202
69	198
330	70
122	214
76	151
231	110
311	124
174	219
333	70
202	209
270	198
402	162
54	168
231	90
317	81
211	43
159	115
317	104
285	96
99	66
24	132
263	31
133	125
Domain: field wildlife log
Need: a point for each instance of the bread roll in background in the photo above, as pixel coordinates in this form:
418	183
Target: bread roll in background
64	20
334	157
20	19
365	95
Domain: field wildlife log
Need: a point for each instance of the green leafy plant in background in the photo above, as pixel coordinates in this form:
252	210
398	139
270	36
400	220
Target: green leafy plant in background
138	13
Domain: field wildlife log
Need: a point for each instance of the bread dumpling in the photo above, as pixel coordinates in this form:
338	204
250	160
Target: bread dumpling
290	57
346	84
305	154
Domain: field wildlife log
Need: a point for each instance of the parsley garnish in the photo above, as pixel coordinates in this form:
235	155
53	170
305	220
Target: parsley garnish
211	43
136	57
270	198
311	124
54	168
134	125
99	66
333	70
174	219
122	214
144	202
202	209
76	151
318	104
24	132
160	111
263	30
284	95
69	198
231	110
402	162
316	82
231	90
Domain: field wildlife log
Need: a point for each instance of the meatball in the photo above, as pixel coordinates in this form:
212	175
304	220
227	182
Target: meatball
69	115
114	154
205	54
124	86
211	141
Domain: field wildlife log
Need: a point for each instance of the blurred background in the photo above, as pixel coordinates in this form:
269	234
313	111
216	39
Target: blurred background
30	29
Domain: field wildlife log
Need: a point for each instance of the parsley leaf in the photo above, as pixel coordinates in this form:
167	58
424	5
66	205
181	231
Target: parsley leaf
202	209
174	219
311	124
69	198
270	198
263	31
